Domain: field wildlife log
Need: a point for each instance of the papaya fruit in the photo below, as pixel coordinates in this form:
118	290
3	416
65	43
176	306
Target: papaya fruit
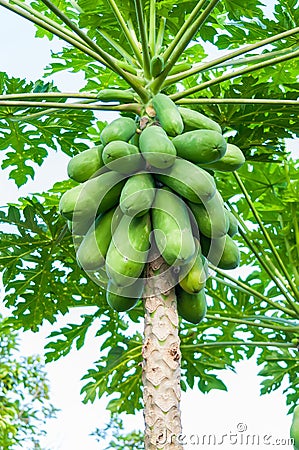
191	307
122	299
116	95
135	140
211	217
157	65
189	181
200	146
121	129
212	249
128	249
100	277
172	228
233	224
80	228
195	279
122	157
156	148
168	114
222	252
230	258
85	164
92	197
294	431
232	160
194	120
137	195
92	250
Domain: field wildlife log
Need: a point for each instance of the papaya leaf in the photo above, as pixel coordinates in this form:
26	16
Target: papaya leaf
40	274
26	140
117	373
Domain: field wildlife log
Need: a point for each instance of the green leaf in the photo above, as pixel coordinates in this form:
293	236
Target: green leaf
26	140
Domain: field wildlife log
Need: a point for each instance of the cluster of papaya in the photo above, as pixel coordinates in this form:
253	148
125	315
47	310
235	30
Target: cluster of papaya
151	183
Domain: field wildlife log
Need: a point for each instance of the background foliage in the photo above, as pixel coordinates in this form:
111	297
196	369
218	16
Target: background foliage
24	394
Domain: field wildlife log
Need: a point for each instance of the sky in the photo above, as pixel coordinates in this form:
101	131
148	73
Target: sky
238	412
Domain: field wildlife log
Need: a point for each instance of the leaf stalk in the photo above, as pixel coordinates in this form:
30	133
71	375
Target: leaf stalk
231	75
201	67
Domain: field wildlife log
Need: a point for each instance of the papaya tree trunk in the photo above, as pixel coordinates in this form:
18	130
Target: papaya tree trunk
161	361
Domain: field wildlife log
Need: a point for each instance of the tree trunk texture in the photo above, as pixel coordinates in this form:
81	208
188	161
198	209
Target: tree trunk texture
161	361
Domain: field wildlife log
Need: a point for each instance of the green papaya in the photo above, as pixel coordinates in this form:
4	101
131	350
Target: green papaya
191	307
92	197
122	299
137	195
200	146
189	181
168	114
172	228
116	95
80	228
121	129
157	65
222	252
294	431
128	249
233	224
195	279
232	160
85	164
156	148
122	157
92	250
211	217
194	120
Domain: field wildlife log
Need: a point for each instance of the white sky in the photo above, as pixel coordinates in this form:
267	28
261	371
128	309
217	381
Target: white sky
218	412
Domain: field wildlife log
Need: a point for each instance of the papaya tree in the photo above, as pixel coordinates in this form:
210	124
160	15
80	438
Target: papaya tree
192	179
